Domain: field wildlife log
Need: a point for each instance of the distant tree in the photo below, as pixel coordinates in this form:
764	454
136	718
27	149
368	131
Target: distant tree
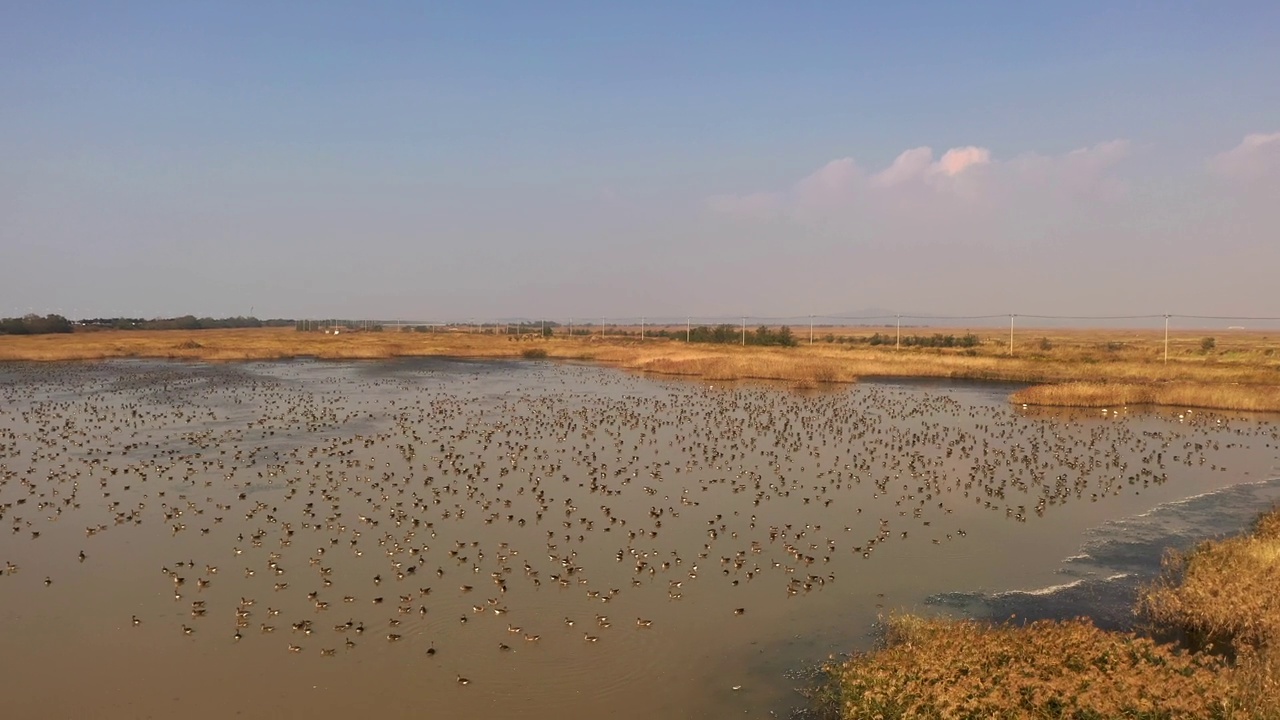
35	325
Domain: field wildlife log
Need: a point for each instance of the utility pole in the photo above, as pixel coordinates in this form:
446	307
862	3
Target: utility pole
744	331
1011	316
898	343
570	328
688	329
1166	337
810	329
641	329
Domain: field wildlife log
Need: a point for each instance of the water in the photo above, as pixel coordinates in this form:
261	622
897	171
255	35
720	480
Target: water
373	493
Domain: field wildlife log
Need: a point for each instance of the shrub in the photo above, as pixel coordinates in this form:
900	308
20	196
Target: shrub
1048	669
533	354
1208	344
35	325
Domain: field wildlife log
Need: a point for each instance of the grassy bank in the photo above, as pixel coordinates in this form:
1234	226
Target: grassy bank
1222	600
1089	368
1217	396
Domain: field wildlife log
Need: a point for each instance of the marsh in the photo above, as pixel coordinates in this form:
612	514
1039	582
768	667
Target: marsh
493	538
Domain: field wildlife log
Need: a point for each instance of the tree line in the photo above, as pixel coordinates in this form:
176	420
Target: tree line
727	334
34	325
184	322
42	325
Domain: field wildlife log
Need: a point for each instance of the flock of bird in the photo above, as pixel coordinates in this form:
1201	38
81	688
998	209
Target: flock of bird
479	508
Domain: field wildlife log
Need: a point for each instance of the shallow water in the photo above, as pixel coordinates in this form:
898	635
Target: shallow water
451	503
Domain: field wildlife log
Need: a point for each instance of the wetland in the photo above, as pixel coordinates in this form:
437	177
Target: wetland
493	538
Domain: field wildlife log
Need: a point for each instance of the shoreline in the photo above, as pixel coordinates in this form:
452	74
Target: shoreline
1207	647
1081	369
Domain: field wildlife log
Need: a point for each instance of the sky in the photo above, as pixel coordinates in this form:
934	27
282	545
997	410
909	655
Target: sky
458	160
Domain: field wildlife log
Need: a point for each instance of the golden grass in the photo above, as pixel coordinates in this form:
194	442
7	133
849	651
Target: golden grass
967	669
1226	593
1182	394
1222	599
1242	372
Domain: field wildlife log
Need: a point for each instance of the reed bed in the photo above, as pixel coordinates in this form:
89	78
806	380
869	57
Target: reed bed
933	668
1221	602
1100	369
1232	396
1225	594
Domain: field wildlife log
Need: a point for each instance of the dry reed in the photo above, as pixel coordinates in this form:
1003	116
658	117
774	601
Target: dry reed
933	668
1225	594
1222	600
1243	373
1181	394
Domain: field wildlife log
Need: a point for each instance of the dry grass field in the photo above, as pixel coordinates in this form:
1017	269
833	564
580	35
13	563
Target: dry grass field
1221	600
934	668
1094	368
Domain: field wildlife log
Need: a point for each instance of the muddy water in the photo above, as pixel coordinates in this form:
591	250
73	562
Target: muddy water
350	539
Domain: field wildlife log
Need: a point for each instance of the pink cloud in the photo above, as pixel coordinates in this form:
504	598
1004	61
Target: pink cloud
1255	158
910	165
830	186
964	187
957	160
1081	173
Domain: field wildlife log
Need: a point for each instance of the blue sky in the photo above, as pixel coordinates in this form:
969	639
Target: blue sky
455	160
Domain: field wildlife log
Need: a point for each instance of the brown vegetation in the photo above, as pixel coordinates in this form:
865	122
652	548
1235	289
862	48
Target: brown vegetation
966	669
1234	396
1224	598
1221	600
1240	371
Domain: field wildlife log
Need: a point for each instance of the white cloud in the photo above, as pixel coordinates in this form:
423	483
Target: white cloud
955	195
957	160
1257	157
909	165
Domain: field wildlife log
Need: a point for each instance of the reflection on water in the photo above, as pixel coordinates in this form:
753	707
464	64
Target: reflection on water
280	539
